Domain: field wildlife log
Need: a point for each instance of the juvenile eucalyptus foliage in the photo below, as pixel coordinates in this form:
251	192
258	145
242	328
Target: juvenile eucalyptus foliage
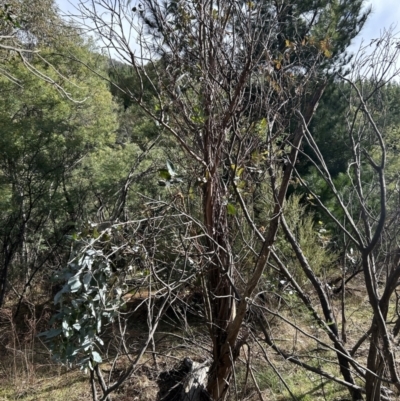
89	299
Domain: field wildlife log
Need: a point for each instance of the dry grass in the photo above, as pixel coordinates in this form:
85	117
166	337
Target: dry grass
27	372
71	386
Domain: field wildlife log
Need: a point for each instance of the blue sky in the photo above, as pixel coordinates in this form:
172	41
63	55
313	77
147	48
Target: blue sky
384	14
66	5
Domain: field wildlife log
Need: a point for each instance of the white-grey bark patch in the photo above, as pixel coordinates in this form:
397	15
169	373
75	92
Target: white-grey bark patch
195	382
186	382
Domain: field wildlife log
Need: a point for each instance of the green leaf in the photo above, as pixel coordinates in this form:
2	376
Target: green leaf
75	304
76	326
96	357
99	340
171	168
50	333
86	280
239	171
165	174
74	283
65	324
64	290
70	223
231	209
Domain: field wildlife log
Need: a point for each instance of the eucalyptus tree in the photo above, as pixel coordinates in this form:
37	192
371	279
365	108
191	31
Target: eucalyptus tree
239	85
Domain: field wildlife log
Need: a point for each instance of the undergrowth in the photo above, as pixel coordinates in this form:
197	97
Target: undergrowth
28	372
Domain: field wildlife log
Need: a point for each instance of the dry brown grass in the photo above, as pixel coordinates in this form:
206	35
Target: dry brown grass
27	372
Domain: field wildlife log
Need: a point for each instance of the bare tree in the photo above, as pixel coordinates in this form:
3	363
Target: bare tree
229	81
366	220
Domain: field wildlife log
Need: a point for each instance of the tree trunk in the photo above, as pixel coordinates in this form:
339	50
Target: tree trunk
221	294
373	383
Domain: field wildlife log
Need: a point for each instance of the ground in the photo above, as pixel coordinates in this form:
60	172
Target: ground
28	373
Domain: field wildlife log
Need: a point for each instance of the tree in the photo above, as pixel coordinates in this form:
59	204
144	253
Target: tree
45	139
367	204
25	27
240	82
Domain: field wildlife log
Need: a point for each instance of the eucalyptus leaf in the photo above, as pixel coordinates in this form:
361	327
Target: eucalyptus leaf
87	342
96	298
75	304
96	357
102	295
64	290
76	326
86	280
74	283
50	333
171	168
65	325
99	340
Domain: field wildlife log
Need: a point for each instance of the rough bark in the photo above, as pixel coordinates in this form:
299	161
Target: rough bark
186	382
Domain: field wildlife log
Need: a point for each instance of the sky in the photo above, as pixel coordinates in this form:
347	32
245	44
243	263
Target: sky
384	14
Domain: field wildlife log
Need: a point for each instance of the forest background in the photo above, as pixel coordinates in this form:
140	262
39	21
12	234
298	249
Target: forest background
198	201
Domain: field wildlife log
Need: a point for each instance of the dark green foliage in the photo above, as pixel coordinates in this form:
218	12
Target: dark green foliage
45	137
329	130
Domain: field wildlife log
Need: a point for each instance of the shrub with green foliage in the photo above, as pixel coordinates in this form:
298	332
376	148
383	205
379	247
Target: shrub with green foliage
90	298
